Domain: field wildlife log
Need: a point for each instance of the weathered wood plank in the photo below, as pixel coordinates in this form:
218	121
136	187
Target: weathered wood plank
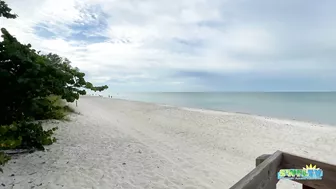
328	181
264	176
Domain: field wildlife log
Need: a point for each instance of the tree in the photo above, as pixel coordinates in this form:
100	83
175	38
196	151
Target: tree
5	11
26	76
27	79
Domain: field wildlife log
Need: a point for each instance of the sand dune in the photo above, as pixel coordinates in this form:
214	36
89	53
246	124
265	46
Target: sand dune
123	144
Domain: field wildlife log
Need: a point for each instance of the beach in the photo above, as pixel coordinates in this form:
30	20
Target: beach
115	143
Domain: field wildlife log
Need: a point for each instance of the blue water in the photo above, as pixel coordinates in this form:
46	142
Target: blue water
318	107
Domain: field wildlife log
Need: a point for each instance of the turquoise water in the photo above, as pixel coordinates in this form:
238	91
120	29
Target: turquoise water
319	107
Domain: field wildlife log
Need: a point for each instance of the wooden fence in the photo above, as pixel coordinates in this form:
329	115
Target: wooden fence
264	176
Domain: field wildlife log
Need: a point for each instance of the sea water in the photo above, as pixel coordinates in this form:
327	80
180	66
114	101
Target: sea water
318	107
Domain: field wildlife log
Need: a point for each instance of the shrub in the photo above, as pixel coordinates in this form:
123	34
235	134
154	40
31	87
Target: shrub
25	135
3	159
33	87
51	107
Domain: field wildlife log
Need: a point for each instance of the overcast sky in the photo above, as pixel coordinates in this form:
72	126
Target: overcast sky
187	45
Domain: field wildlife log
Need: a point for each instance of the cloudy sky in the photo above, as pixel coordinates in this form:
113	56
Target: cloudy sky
187	45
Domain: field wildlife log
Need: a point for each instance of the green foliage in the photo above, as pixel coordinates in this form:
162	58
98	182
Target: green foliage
51	107
5	11
27	78
33	87
25	135
3	159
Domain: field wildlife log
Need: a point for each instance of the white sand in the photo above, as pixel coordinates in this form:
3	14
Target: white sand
123	144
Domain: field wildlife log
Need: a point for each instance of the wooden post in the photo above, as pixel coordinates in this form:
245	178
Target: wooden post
264	175
261	158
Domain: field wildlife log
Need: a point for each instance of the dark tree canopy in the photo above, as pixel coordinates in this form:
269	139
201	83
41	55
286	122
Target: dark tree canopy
5	11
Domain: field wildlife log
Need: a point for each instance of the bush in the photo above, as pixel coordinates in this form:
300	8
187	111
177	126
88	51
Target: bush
52	107
28	78
3	159
33	87
25	135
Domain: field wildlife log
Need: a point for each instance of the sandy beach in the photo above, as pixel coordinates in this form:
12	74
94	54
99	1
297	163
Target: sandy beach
123	144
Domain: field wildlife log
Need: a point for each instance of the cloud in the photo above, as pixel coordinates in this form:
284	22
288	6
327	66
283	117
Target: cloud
187	45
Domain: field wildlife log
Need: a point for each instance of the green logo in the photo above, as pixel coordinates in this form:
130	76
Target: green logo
307	173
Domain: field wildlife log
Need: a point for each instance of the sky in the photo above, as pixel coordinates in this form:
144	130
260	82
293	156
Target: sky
187	45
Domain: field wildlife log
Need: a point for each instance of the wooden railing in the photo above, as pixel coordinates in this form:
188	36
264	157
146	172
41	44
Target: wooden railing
264	176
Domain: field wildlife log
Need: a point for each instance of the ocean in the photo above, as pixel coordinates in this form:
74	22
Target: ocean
317	107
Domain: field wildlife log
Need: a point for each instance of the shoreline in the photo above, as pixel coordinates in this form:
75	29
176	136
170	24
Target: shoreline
124	144
205	110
